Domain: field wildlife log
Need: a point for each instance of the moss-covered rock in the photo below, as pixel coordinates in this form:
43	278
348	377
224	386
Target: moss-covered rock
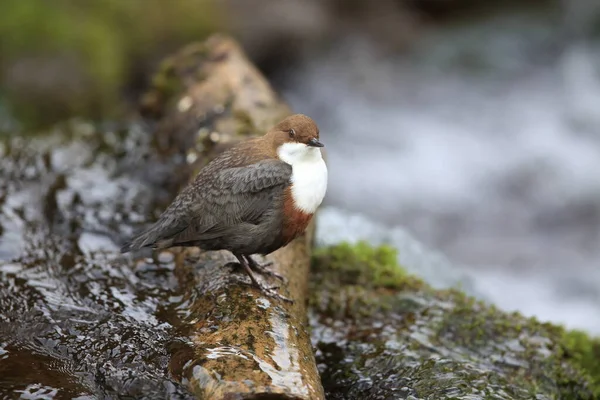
584	352
381	333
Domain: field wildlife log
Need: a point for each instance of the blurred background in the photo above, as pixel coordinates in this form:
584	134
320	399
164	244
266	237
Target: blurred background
472	126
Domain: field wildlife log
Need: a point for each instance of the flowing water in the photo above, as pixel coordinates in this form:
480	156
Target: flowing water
76	321
483	142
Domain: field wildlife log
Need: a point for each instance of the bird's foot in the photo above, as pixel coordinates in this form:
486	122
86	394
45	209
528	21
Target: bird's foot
263	268
269	291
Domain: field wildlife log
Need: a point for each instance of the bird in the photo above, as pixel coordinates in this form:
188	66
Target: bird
252	199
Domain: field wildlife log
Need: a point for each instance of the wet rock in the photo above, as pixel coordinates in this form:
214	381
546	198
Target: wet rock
384	334
75	318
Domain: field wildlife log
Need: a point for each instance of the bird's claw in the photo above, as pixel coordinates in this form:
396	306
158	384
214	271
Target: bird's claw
264	271
249	265
270	291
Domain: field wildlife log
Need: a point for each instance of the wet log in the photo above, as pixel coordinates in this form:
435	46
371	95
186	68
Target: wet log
242	344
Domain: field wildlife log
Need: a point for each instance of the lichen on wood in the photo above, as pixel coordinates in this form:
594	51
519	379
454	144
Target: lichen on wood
243	344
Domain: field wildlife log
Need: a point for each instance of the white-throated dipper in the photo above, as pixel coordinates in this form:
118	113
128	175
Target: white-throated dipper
254	198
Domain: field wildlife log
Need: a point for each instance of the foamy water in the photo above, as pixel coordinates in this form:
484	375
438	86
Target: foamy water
482	142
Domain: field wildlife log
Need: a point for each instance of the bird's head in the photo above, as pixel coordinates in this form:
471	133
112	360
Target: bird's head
296	138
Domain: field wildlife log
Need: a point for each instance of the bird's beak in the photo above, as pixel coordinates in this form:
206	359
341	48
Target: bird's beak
315	143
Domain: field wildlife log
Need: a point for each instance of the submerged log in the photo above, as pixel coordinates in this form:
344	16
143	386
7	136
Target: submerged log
243	344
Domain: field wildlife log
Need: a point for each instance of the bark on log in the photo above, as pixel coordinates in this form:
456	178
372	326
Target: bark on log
243	344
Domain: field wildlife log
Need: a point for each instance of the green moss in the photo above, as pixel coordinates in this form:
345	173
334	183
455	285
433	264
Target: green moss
80	56
359	279
584	353
362	264
373	322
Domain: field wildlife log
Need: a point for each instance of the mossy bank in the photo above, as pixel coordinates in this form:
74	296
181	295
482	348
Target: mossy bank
383	334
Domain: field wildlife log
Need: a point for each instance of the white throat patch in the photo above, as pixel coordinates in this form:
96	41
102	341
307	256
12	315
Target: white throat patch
309	175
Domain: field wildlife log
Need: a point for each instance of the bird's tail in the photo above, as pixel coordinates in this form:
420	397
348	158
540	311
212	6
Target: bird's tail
146	238
160	235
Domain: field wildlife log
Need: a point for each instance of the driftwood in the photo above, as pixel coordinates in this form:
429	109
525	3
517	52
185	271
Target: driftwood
243	344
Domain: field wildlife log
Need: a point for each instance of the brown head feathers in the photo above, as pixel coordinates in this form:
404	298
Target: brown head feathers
297	128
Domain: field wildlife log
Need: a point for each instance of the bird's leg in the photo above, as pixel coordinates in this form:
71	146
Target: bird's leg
269	291
262	268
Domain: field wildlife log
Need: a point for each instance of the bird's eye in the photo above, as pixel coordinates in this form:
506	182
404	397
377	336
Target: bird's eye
292	133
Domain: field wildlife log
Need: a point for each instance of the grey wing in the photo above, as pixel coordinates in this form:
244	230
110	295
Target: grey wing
234	196
217	202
